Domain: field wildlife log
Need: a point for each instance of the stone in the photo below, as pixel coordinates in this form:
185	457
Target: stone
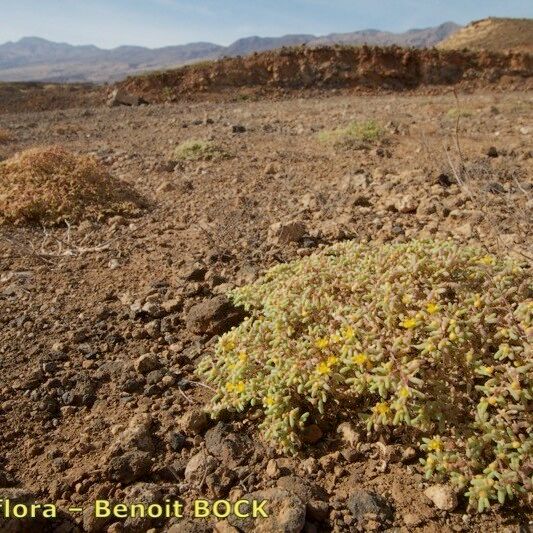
492	152
152	309
304	489
406	204
155	376
146	363
153	328
309	466
271	169
224	527
177	441
96	524
355	182
229	448
444	180
147	494
136	436
442	496
188	525
329	461
82	394
287	232
311	434
412	519
286	513
363	505
220	482
427	206
129	467
272	470
194	272
194	421
199	466
171	306
120	97
213	316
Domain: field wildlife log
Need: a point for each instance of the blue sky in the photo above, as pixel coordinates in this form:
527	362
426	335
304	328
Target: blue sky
109	23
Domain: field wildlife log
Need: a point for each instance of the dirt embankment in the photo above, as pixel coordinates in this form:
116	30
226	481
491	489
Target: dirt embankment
496	34
367	68
33	96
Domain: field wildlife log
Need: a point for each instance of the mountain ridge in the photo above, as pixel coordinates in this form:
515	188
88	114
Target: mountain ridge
38	59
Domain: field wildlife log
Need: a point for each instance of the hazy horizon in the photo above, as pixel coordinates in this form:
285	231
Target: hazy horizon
158	23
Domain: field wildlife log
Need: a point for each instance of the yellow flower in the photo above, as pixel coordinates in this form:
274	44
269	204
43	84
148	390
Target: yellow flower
435	444
332	360
268	400
243	357
323	368
486	260
227	344
335	338
478	301
492	400
322	343
487	370
409	323
349	333
236	387
404	392
432	307
515	385
360	358
382	408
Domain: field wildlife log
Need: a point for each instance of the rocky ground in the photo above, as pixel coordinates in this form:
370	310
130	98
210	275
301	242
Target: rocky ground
103	322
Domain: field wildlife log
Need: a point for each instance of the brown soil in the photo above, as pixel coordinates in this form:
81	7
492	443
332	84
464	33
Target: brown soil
495	34
32	96
79	306
363	68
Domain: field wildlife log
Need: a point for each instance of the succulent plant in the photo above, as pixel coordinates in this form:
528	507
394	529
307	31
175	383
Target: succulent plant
429	336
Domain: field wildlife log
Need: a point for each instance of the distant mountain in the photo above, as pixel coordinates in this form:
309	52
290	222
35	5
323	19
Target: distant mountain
36	59
494	34
423	38
261	44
